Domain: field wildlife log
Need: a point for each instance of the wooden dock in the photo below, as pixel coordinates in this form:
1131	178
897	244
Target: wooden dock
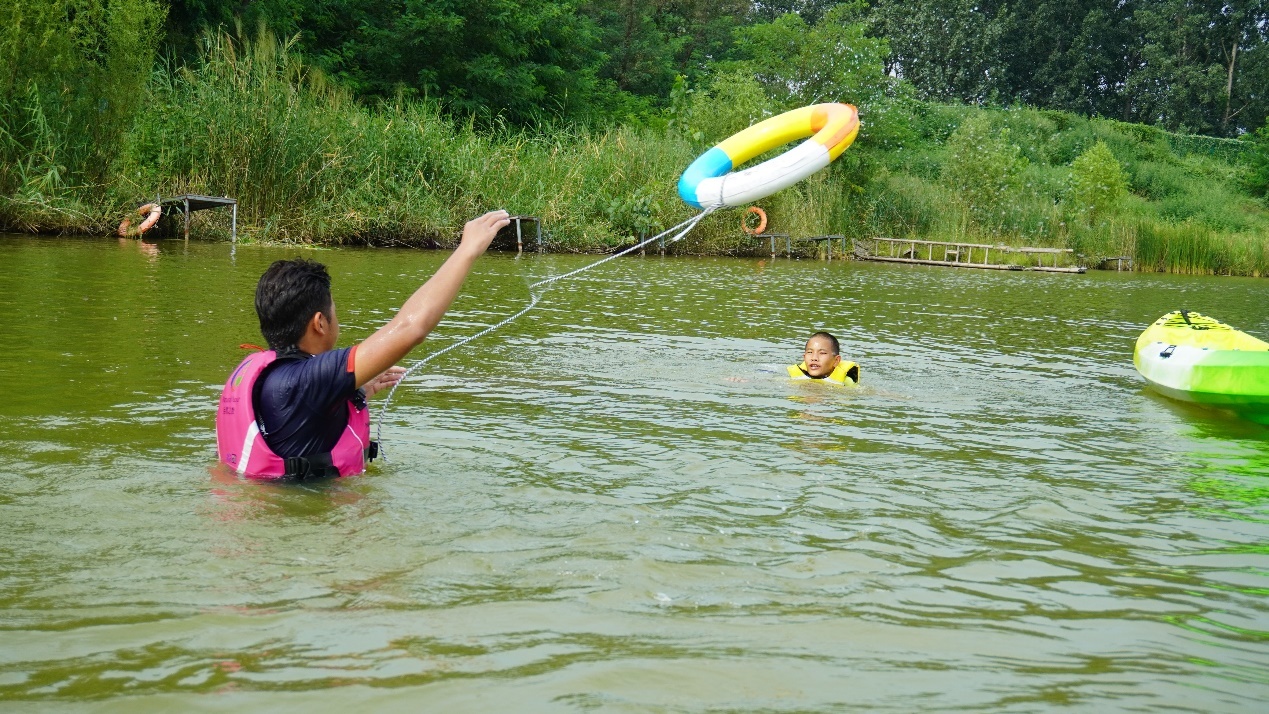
962	255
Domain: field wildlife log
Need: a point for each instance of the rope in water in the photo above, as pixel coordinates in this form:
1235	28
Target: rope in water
534	297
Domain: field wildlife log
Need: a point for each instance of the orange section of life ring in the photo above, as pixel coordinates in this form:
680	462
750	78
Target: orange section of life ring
762	221
154	210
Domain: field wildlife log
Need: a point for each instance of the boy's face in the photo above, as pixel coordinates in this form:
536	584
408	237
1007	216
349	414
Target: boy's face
819	357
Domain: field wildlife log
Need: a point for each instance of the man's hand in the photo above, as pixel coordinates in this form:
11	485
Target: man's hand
480	231
383	381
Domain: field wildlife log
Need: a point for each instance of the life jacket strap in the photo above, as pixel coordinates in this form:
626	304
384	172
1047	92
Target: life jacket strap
309	468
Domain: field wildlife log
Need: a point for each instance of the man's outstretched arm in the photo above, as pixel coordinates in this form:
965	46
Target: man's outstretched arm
425	308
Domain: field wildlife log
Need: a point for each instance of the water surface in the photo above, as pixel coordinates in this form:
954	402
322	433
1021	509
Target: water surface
618	503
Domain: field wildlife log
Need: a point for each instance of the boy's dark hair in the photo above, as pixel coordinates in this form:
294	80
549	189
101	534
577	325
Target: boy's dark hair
288	294
837	348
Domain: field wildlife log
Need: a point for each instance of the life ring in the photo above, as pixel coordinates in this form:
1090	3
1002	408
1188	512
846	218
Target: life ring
709	181
154	210
762	221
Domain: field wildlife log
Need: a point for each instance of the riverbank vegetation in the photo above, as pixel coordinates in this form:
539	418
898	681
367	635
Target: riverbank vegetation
585	113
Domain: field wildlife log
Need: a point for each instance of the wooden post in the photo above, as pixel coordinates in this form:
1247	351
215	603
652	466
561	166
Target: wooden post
519	238
234	225
187	218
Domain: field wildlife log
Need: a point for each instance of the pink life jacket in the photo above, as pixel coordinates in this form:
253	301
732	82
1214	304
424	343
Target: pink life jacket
242	446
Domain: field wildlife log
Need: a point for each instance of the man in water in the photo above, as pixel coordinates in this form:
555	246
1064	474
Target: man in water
298	410
822	359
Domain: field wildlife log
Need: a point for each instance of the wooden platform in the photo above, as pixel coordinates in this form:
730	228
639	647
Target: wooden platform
191	202
961	255
789	242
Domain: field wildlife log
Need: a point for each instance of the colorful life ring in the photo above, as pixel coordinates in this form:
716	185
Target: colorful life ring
154	210
709	181
762	221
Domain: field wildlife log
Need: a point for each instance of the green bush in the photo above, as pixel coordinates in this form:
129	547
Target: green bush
732	101
1157	181
983	169
1031	130
1097	183
1257	181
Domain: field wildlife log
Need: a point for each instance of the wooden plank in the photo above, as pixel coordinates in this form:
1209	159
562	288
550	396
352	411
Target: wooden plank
942	263
1008	249
1043	250
980	266
935	242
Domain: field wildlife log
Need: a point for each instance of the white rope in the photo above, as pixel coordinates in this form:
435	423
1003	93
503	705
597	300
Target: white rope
534	297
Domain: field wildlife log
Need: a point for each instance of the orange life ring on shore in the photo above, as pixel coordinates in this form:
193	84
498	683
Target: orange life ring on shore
154	210
762	221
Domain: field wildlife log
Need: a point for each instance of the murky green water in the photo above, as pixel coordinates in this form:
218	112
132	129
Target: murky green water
615	505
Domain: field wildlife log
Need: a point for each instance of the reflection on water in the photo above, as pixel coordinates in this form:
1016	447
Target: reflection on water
618	502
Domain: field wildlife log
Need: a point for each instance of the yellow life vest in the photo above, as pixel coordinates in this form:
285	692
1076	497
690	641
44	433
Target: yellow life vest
844	373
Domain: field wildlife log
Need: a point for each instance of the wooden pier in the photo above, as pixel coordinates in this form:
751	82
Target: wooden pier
962	255
790	241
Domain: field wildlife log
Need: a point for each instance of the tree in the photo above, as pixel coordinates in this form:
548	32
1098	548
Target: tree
948	49
809	10
1188	75
1066	55
833	60
1185	65
189	19
523	60
651	42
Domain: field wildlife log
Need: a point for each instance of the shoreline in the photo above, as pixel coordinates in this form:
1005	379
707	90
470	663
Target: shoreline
503	246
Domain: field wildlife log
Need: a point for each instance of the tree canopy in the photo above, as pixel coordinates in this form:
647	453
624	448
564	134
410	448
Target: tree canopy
1199	66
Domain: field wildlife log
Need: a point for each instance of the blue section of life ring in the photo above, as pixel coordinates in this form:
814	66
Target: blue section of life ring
711	164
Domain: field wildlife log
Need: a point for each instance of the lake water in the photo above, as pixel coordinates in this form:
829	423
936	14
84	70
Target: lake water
618	503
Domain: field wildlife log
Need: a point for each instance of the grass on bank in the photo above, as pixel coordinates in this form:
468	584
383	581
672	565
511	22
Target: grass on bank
310	164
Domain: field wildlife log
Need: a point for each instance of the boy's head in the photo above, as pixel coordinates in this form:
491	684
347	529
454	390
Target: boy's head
289	295
822	355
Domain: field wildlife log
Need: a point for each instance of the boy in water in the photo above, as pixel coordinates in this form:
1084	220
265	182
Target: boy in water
822	359
298	410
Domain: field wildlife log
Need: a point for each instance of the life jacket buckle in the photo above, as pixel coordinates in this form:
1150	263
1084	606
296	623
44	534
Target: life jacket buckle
298	468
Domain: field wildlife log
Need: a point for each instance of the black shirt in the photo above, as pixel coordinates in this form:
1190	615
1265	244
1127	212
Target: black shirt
303	403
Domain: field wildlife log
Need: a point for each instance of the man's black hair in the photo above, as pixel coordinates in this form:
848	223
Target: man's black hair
837	348
287	296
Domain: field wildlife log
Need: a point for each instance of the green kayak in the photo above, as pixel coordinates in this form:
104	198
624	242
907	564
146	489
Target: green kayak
1194	358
